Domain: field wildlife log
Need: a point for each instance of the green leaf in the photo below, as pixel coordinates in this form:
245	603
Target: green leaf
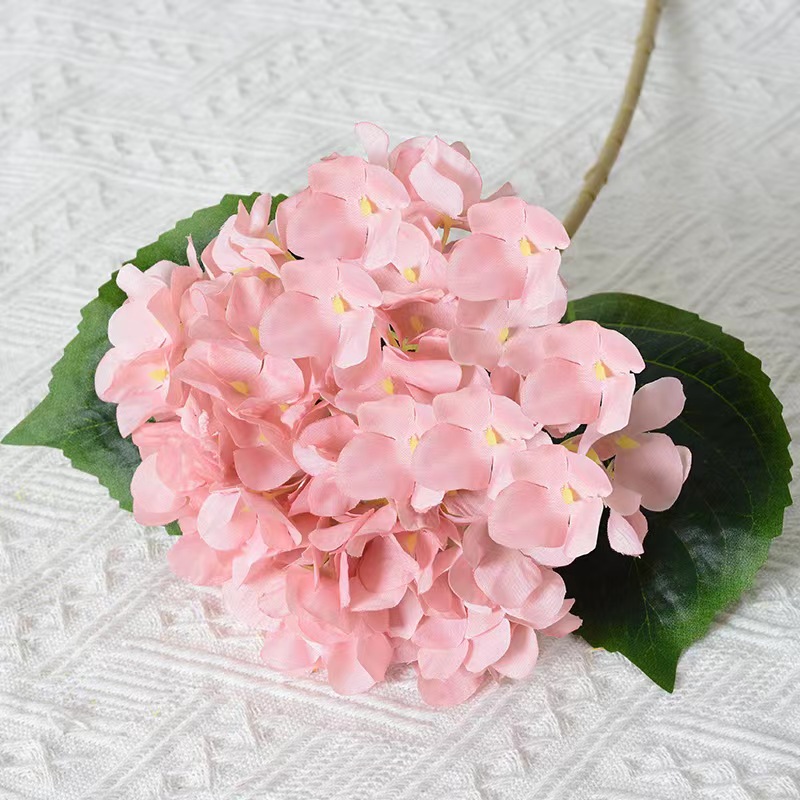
71	417
701	554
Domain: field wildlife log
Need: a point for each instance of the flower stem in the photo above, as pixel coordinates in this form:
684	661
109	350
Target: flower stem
597	176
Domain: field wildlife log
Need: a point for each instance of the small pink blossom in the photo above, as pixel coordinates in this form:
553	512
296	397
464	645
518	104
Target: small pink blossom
551	511
440	178
518	240
326	312
649	469
352	210
576	374
247	241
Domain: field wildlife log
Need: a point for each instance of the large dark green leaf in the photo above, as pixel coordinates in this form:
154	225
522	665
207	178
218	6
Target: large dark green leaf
71	417
704	552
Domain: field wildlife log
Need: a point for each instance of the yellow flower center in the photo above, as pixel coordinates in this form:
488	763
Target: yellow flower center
387	384
411	274
626	443
568	495
365	204
408	542
502	337
491	436
255	334
600	371
241	387
159	375
526	247
339	304
413	442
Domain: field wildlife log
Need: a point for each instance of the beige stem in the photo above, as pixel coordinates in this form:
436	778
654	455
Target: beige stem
597	176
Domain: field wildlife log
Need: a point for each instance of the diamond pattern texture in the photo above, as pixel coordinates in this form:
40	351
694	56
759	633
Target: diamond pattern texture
119	682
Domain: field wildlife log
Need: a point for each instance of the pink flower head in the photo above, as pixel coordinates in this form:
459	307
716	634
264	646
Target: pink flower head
350	417
512	244
552	509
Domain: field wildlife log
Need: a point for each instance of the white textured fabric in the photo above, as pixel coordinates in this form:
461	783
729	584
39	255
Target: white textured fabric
118	681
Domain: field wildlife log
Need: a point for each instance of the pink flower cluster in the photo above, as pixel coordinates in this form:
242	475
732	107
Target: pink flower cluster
353	410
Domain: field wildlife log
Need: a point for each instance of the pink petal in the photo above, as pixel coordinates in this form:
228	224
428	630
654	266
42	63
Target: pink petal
462	581
546	605
363	599
385	565
323	226
560	393
375	142
153	502
456	689
434	188
488	647
520	657
475	346
565	625
222	523
325	497
527	516
484	268
242	602
355	328
294	327
385	189
626	535
134	330
655	405
544	230
469	408
440	633
686	460
288	652
318	445
619	352
405	616
263	468
655	470
623	500
615	406
501	217
356	665
381	244
193	560
441	664
449	457
436	376
392	416
369	469
359	287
